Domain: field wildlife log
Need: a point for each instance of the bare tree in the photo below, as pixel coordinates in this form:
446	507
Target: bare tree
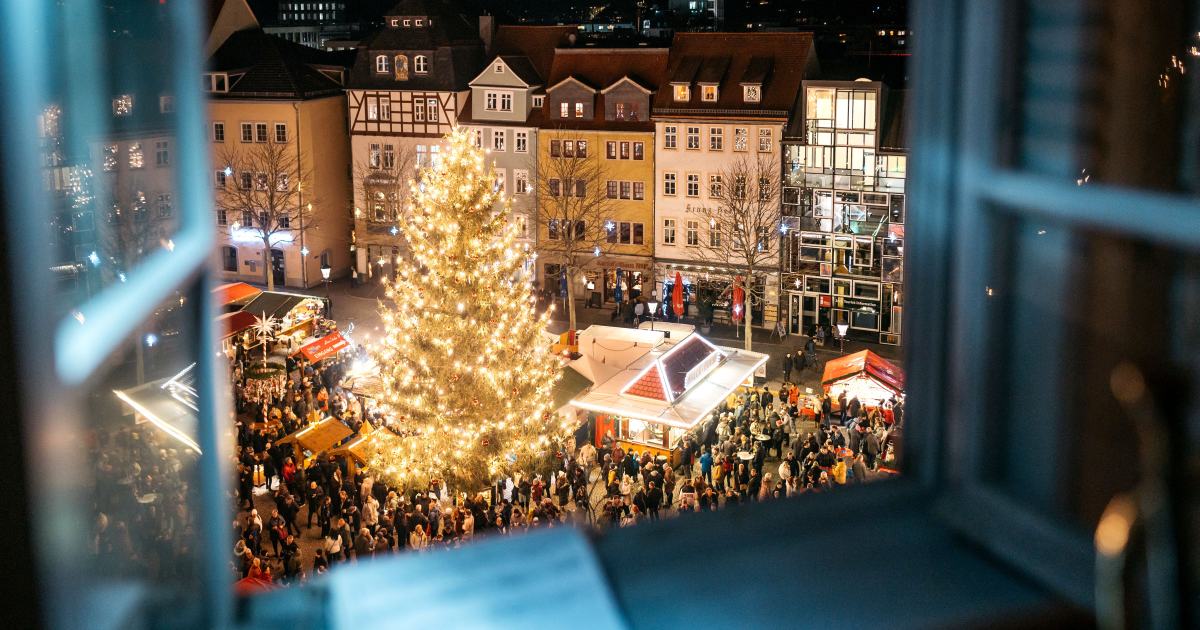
265	194
136	223
382	184
744	228
573	208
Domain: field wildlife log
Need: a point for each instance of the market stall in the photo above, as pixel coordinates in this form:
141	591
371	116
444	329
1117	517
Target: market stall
315	439
317	350
235	295
863	375
297	315
355	454
659	387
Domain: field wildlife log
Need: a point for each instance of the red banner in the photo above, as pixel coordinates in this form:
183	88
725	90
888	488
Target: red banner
677	296
325	347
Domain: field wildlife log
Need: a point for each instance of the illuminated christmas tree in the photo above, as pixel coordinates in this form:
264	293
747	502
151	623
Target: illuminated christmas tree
466	376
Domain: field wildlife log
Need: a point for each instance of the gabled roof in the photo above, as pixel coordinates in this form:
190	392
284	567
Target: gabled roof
536	43
575	80
626	79
864	362
600	69
449	40
778	61
272	67
523	68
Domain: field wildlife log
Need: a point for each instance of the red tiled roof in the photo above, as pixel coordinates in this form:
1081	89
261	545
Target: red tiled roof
648	386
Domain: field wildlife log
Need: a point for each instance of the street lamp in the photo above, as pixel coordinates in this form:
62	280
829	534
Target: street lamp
653	306
842	328
328	302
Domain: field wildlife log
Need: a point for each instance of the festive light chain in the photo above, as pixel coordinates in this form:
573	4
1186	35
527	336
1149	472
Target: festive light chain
466	376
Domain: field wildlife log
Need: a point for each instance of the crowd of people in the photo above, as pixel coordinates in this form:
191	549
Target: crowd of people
298	519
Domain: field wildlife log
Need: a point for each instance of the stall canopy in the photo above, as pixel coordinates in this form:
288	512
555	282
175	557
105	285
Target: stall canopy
231	324
274	304
319	437
570	385
676	382
325	347
170	404
235	293
864	374
358	449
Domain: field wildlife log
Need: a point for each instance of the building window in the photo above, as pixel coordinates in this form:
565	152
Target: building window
764	140
555	148
693	185
162	156
714	234
612	189
522	223
639	234
477	138
389	156
669	136
693	138
229	258
716	139
137	159
610	150
498	140
693	233
218	132
419	110
620	109
568	148
555	189
381	64
626	190
579	110
110	157
419	22
281	134
499	67
220	179
581	148
751	93
715	187
668	183
668	231
741	138
639	150
564	110
164	205
372	108
521	182
244	183
624	150
639	190
683	94
538	101
580	190
373	156
421	64
491	101
385	108
521	140
506	102
501	178
123	105
222	217
260	181
260	132
247	132
708	93
431	104
166	104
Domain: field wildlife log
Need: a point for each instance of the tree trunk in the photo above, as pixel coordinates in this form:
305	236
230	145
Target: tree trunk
268	267
570	299
746	310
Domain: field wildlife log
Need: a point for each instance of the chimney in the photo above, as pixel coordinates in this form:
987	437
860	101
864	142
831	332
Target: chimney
487	31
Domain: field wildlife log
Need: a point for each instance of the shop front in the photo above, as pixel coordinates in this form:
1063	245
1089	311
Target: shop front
708	291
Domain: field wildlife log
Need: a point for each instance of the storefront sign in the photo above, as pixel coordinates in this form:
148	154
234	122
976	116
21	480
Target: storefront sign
324	347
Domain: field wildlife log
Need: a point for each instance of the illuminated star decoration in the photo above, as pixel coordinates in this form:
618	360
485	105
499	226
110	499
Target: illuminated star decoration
263	327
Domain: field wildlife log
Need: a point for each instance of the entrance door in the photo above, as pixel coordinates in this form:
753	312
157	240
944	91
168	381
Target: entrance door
794	317
810	312
277	269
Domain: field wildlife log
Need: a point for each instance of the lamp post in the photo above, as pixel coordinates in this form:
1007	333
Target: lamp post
842	328
653	306
328	302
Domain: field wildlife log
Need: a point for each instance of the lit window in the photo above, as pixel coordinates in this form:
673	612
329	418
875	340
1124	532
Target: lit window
137	159
110	157
741	138
708	93
764	140
579	110
421	64
123	105
381	64
373	154
751	93
683	94
372	108
521	182
564	110
431	106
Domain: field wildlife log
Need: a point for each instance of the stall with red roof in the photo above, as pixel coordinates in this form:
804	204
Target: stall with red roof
863	375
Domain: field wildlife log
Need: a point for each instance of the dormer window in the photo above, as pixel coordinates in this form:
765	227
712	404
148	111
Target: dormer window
394	22
216	82
499	67
683	93
420	23
123	105
407	23
708	93
421	64
538	101
752	93
381	64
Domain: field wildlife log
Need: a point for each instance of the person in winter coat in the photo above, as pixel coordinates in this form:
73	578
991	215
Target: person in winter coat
787	367
364	544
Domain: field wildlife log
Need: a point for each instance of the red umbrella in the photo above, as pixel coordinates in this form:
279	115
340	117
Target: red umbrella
677	296
248	585
739	299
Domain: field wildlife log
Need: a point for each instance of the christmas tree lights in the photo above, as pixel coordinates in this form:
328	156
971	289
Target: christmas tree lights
465	375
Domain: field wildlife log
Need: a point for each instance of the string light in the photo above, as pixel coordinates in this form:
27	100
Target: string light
465	378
